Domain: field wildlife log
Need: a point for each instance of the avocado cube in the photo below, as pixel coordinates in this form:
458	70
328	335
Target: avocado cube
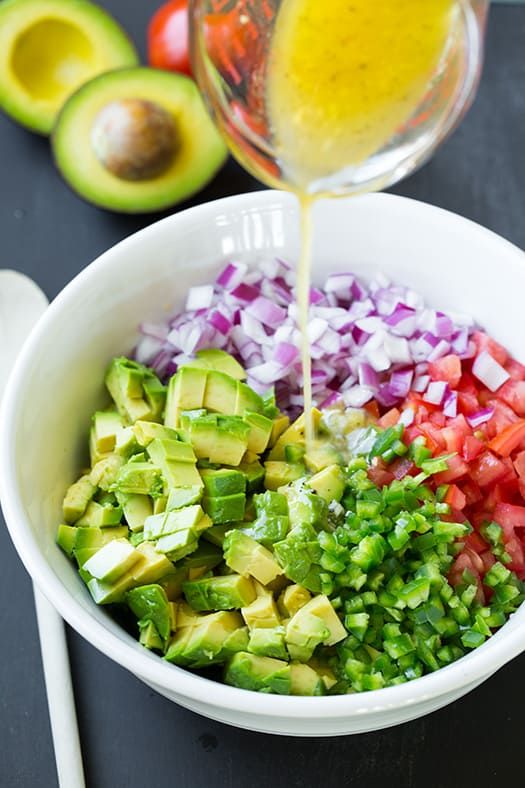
136	508
178	544
169	522
292	599
155	394
304	680
105	593
205	557
271	503
268	529
247	400
150	603
319	607
321	456
220	439
260	431
153	567
149	637
253	472
279	425
303	634
159	504
98	515
248	671
225	509
201	645
329	483
183	496
104	473
299	555
77	499
327	675
220	393
247	557
89	536
268	642
230	592
237	641
186	616
220	361
147	431
279	474
293	453
293	434
66	535
106	427
139	478
187	416
217	533
172	582
262	613
305	506
223	482
162	450
185	392
124	380
112	560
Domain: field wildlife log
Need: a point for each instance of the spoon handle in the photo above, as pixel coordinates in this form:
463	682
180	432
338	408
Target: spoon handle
60	698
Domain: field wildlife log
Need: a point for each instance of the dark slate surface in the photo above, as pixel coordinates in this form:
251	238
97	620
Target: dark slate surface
133	737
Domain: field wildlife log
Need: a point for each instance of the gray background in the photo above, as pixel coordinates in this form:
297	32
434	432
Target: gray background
133	737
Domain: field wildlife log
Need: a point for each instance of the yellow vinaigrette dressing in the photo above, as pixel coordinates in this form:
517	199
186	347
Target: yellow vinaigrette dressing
342	76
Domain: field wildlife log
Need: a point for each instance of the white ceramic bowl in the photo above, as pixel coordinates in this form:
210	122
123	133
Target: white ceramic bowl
57	384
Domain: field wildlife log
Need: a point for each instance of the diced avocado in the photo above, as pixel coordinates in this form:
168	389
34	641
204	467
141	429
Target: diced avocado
260	431
77	498
136	538
220	393
104	473
139	456
112	561
320	608
253	472
185	392
147	431
292	599
66	536
98	515
270	404
304	680
305	506
321	456
150	603
173	616
136	508
279	474
247	400
268	642
153	568
172	582
246	556
202	644
262	613
267	529
303	634
183	496
149	637
220	361
168	522
89	536
299	555
186	616
178	544
294	434
223	482
206	557
217	533
126	444
176	461
220	439
187	416
140	478
126	381
293	453
329	483
279	425
226	508
105	593
159	504
107	425
271	503
324	671
248	671
237	641
230	592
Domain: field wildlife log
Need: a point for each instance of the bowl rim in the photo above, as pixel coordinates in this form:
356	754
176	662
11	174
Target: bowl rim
475	666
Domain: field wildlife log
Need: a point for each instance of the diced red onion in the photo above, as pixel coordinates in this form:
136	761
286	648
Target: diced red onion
199	297
368	376
440	350
220	322
407	417
480	417
487	369
450	404
385	397
420	383
357	396
266	312
435	392
285	354
232	275
244	292
400	382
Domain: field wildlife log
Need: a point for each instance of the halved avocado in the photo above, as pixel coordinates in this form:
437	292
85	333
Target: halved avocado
48	48
137	140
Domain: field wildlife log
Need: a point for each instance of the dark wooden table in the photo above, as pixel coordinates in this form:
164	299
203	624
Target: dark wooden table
133	738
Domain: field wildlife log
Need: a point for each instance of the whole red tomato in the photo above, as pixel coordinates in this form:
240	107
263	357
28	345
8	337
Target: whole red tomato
168	39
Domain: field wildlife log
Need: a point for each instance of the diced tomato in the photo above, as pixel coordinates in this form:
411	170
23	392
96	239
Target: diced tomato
471	491
513	393
455	498
515	369
514	548
484	342
372	408
453	439
380	475
469	560
447	368
509	439
433	435
411	433
438	419
476	543
487	469
468	384
390	418
510	517
472	448
467	403
502	418
519	464
488	559
456	469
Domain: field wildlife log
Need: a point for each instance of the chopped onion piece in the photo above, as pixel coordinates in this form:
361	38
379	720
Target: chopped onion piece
435	392
480	417
487	369
200	297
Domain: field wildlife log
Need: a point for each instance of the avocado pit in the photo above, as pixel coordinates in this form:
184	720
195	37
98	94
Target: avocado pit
134	139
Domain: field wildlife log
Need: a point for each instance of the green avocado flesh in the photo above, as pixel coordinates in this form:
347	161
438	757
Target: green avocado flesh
232	547
137	140
48	48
